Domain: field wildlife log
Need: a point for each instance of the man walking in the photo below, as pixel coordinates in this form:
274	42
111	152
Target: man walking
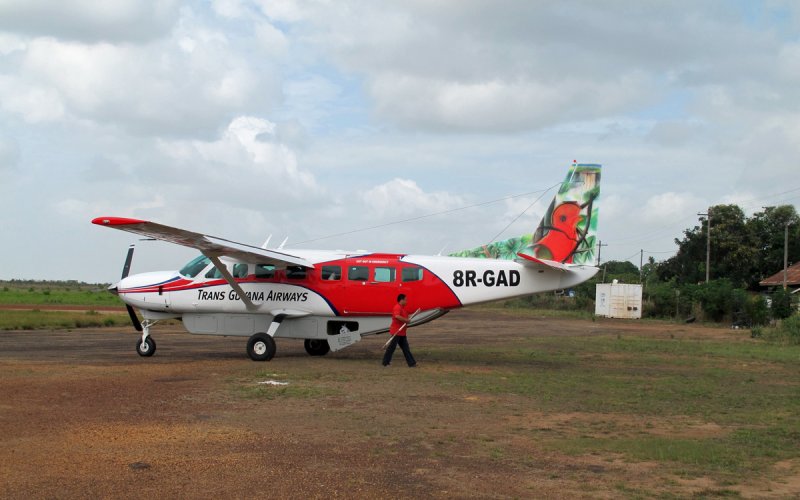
398	330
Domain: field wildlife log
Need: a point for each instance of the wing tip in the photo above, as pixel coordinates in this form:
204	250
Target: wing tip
116	221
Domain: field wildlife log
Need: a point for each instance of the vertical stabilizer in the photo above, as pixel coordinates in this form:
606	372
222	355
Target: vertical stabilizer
568	230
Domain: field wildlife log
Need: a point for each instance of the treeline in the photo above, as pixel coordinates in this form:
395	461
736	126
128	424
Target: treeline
744	251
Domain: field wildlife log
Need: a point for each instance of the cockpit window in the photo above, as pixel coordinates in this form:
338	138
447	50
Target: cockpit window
214	273
194	267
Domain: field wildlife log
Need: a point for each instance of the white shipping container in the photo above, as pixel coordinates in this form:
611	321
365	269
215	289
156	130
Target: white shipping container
618	300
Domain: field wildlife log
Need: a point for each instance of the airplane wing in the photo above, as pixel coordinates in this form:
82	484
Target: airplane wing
208	245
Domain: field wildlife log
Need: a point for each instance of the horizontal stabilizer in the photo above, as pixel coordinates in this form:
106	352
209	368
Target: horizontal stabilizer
529	259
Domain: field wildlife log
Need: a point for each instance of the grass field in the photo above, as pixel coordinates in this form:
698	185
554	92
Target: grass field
645	399
52	320
504	404
56	293
724	410
720	414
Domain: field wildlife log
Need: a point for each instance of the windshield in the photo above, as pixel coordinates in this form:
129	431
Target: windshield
194	267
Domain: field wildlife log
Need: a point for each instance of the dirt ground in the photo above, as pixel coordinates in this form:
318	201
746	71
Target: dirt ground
82	415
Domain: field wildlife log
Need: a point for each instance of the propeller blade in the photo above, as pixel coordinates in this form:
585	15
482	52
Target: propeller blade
134	319
127	267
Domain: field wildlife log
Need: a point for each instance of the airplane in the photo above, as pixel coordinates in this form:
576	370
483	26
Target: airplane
331	299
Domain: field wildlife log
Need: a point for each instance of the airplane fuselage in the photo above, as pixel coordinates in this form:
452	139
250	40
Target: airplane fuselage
359	288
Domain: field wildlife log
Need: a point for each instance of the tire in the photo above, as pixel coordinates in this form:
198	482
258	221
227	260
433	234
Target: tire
148	349
317	347
261	347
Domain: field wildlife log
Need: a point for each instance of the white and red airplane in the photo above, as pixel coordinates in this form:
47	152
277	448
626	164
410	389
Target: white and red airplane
333	299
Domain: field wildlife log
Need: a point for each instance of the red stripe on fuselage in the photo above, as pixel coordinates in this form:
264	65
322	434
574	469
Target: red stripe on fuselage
348	297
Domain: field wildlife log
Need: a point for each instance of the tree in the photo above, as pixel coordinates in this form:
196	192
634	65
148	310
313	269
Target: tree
734	250
767	232
687	265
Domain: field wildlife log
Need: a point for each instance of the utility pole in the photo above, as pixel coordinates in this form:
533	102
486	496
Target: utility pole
600	246
785	253
641	269
708	243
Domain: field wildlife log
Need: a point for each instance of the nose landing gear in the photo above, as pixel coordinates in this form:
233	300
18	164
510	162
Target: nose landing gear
146	347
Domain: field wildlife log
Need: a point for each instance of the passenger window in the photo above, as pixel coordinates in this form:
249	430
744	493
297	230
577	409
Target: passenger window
296	272
240	270
384	274
412	274
331	273
264	271
358	273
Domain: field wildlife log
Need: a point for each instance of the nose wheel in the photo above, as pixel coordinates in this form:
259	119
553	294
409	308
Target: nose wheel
146	346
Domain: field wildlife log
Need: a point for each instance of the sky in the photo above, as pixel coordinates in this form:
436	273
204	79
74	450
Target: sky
437	124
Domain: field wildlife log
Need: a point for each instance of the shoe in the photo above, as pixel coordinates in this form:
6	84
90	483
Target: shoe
412	366
387	365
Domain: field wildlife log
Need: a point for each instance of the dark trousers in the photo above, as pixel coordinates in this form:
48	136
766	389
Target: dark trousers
403	341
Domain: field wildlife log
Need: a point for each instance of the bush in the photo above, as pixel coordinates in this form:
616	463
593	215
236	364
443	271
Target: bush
717	299
781	304
788	331
791	326
757	311
660	300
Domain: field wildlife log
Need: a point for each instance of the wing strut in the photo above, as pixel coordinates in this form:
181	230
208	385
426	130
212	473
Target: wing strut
232	282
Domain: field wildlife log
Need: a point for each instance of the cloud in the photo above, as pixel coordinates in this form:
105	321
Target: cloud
184	85
90	21
403	197
9	154
498	105
247	160
670	206
513	66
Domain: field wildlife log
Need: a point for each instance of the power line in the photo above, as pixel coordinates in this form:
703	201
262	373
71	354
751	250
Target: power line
522	213
411	219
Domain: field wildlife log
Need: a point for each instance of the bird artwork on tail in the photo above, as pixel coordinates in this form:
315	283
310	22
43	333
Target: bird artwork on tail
568	229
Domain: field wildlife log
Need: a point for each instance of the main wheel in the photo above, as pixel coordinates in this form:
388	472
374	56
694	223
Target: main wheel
146	348
317	347
261	347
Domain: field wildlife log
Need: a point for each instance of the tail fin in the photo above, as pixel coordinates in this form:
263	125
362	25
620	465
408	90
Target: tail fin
568	230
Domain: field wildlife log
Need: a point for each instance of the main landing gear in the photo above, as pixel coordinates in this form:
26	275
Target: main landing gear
261	347
317	347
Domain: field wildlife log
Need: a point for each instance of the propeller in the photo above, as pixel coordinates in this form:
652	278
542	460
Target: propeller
126	269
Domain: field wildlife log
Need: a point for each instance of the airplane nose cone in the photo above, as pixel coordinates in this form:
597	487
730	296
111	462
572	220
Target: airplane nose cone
114	289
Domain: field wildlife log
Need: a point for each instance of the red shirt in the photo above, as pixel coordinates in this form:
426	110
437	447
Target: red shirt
394	329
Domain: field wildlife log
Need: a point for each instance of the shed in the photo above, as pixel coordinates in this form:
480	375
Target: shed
776	280
618	300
